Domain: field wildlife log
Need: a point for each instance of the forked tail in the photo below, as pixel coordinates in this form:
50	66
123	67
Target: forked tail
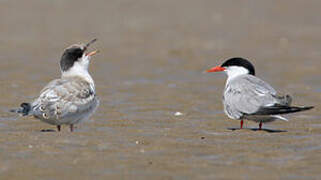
24	109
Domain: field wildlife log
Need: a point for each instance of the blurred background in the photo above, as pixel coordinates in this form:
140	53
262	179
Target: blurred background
152	57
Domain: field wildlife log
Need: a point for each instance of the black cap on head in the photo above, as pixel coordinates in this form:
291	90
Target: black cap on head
70	56
73	54
237	61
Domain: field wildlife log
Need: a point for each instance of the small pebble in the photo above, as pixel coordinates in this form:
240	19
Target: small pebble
178	114
29	146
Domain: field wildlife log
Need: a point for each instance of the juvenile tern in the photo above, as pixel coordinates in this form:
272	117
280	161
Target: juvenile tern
246	97
70	99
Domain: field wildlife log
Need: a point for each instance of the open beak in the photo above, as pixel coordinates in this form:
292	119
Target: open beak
92	53
216	69
90	42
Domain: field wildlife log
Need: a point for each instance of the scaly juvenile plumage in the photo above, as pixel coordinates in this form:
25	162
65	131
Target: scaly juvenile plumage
70	99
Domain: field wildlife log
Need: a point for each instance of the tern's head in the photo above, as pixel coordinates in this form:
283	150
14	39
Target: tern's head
235	67
75	56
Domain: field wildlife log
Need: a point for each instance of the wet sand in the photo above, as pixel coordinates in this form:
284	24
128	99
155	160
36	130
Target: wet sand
150	66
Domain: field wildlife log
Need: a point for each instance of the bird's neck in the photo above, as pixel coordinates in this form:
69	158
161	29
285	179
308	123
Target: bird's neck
233	72
79	71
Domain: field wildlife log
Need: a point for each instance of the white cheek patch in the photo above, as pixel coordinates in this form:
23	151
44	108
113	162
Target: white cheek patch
234	71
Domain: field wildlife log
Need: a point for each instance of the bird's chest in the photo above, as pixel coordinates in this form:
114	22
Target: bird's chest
228	92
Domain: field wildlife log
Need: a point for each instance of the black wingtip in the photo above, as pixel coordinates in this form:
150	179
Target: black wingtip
304	108
278	109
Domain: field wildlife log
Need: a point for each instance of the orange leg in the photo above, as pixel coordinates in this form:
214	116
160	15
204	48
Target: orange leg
71	128
260	125
59	127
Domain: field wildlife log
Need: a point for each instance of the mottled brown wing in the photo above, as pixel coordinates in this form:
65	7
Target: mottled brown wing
64	97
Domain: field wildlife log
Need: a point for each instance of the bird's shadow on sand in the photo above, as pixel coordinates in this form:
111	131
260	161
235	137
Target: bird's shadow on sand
47	130
257	129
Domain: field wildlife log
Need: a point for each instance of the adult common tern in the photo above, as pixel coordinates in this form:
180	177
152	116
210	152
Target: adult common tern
246	97
70	99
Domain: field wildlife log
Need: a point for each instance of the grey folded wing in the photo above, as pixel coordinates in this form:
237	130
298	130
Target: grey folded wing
246	94
62	98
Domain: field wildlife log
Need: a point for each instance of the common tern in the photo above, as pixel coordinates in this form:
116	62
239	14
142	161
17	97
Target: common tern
70	99
246	97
